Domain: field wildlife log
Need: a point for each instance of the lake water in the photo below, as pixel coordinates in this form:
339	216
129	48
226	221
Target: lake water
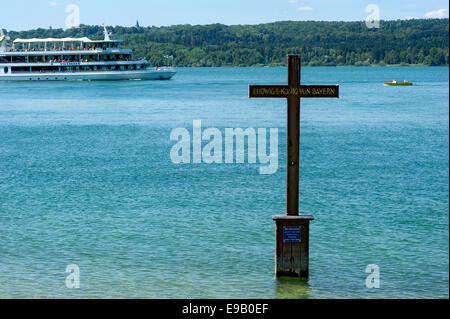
86	178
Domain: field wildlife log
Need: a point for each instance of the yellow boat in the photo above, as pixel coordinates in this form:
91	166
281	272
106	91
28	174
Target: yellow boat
395	83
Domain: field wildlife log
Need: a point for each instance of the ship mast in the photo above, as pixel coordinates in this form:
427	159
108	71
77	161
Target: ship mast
105	31
3	39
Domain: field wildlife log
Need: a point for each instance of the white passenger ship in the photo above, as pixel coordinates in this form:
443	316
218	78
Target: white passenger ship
74	59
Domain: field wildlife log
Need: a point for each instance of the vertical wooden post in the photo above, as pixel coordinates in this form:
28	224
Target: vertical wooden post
292	230
293	138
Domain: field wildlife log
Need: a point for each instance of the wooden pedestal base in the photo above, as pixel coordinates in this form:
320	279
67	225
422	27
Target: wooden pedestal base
292	245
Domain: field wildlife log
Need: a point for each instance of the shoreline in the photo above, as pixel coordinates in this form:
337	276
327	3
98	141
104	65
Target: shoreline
315	66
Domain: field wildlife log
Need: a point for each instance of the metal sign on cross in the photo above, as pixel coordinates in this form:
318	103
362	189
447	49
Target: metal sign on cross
293	91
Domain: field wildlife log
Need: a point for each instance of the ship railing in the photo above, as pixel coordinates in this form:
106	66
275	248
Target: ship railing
72	71
75	61
50	50
65	49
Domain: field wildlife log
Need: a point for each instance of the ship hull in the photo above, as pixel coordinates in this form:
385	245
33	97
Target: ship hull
398	84
91	76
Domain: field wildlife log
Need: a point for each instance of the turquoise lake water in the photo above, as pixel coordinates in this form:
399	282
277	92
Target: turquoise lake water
86	178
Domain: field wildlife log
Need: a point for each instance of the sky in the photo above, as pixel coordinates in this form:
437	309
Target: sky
20	15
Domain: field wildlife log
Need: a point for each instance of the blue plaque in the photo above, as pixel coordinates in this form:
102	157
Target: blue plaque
292	234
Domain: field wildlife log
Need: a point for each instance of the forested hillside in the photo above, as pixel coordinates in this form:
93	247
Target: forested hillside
415	41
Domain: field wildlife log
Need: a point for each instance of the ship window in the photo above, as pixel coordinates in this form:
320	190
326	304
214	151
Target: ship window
6	70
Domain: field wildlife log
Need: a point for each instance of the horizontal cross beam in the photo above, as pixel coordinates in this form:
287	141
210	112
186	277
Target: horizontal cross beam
285	91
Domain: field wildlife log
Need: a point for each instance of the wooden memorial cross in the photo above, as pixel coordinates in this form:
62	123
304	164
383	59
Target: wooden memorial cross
292	229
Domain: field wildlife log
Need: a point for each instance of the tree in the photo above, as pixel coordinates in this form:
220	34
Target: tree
320	43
